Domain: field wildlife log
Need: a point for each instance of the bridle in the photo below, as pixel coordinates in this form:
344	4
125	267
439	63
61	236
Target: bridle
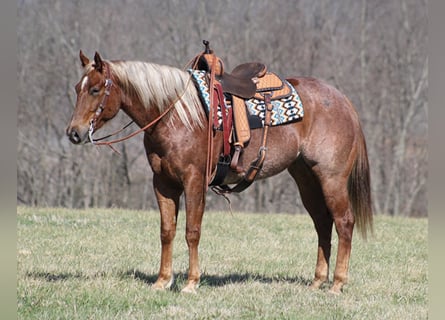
102	104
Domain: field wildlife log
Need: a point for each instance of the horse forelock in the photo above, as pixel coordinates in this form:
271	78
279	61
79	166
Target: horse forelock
87	68
158	86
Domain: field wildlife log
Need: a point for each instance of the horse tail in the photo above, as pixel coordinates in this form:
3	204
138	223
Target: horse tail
359	189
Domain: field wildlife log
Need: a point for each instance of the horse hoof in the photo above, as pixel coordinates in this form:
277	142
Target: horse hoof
335	290
158	286
162	285
316	284
190	288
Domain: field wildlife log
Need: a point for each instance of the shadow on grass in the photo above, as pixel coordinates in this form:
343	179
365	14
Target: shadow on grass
65	276
217	280
223	280
54	277
207	280
139	275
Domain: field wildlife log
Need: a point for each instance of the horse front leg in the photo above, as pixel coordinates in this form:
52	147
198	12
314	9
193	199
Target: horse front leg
168	202
195	204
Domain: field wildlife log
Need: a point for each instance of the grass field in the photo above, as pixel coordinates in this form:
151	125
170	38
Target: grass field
100	263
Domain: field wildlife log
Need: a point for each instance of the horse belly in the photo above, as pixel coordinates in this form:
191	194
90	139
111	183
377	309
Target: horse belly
282	150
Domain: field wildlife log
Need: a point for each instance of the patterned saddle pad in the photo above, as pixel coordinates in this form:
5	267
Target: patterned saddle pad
285	110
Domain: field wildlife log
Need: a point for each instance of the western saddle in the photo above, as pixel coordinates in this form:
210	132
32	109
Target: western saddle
246	81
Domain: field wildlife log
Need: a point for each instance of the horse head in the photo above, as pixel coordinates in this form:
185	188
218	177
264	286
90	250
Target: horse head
98	100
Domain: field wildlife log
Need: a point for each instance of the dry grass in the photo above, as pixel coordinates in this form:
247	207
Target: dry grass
99	264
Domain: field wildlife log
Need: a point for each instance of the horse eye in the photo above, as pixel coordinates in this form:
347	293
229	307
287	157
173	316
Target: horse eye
94	91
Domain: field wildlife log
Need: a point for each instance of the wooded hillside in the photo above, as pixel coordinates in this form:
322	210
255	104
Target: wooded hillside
373	51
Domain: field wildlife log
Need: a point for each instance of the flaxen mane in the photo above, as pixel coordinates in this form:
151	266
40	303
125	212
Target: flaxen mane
159	86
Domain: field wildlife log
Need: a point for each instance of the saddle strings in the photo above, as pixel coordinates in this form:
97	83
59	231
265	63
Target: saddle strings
210	129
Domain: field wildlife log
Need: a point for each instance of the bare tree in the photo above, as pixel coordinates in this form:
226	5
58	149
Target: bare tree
374	51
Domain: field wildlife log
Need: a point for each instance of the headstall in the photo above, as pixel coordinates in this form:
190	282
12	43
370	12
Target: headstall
100	108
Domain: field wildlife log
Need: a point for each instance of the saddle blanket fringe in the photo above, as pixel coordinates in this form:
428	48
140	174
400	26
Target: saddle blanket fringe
285	110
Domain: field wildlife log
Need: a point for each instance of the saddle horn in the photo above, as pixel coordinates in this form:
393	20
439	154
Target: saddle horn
207	49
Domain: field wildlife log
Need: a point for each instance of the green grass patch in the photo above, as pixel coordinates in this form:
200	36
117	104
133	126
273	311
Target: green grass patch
100	263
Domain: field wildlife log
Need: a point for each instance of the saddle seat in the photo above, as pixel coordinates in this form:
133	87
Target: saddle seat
241	81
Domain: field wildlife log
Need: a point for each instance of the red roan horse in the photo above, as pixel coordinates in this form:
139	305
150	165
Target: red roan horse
325	153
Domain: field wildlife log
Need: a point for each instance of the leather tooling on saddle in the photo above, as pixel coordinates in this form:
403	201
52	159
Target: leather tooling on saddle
248	98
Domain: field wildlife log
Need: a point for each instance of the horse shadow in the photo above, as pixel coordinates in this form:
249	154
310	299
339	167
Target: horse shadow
56	277
207	280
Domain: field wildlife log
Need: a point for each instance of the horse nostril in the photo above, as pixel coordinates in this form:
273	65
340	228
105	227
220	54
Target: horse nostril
74	137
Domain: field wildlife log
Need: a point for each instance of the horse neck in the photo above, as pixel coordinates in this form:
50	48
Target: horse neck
149	89
132	104
133	107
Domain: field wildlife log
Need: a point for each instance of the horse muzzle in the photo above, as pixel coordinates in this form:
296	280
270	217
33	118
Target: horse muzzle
76	135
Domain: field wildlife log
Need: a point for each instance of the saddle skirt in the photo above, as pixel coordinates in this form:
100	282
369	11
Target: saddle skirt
287	105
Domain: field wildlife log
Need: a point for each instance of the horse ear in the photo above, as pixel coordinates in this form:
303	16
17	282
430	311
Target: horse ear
98	64
83	59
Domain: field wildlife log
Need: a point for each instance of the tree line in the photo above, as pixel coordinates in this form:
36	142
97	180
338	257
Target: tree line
373	51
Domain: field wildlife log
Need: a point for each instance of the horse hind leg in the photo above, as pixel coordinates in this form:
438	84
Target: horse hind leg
313	200
338	203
